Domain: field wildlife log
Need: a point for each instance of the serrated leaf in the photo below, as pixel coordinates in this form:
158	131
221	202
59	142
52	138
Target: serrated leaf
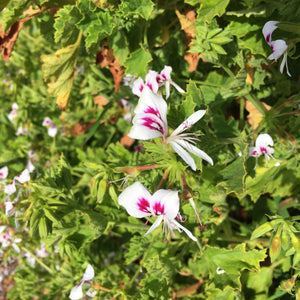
96	23
137	62
232	262
14	11
65	21
60	68
234	176
143	8
194	94
119	44
56	3
211	8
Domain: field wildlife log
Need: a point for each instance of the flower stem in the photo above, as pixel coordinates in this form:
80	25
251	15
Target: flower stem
37	259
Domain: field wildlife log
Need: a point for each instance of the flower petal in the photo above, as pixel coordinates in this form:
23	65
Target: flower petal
10	188
136	200
3	172
23	177
155	224
268	29
278	48
76	292
147	126
138	86
169	200
190	121
89	273
52	130
47	121
183	154
264	140
189	234
151	81
196	151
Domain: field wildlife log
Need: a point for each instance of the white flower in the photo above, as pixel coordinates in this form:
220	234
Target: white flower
163	204
14	112
165	78
52	129
150	122
42	252
262	144
23	177
279	47
10	188
76	292
30	167
154	81
21	131
3	172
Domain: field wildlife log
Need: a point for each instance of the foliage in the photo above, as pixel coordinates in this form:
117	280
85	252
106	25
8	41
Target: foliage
68	61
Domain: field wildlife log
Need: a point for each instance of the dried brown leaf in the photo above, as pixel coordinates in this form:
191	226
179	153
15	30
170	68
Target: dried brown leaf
126	141
105	58
100	101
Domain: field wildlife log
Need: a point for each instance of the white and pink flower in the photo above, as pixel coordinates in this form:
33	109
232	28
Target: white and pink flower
154	81
76	293
3	172
262	147
163	204
150	122
14	112
52	129
279	47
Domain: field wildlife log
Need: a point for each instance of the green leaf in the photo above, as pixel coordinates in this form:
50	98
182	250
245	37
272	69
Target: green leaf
211	8
101	190
232	262
234	176
60	66
3	4
137	62
43	231
261	230
119	44
65	25
143	8
113	195
194	94
96	23
14	11
241	29
56	3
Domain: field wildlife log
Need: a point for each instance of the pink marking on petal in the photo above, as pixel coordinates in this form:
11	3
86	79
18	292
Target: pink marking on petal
144	205
151	110
263	150
158	209
150	86
164	76
141	88
254	152
268	38
1	174
148	122
272	48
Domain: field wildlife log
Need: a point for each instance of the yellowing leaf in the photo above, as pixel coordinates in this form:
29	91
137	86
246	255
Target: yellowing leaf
254	117
59	67
187	24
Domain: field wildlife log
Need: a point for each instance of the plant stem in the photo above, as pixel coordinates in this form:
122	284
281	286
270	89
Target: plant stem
37	259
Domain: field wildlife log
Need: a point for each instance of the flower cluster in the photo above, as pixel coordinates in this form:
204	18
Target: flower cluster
279	47
150	121
76	292
163	204
14	112
154	81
